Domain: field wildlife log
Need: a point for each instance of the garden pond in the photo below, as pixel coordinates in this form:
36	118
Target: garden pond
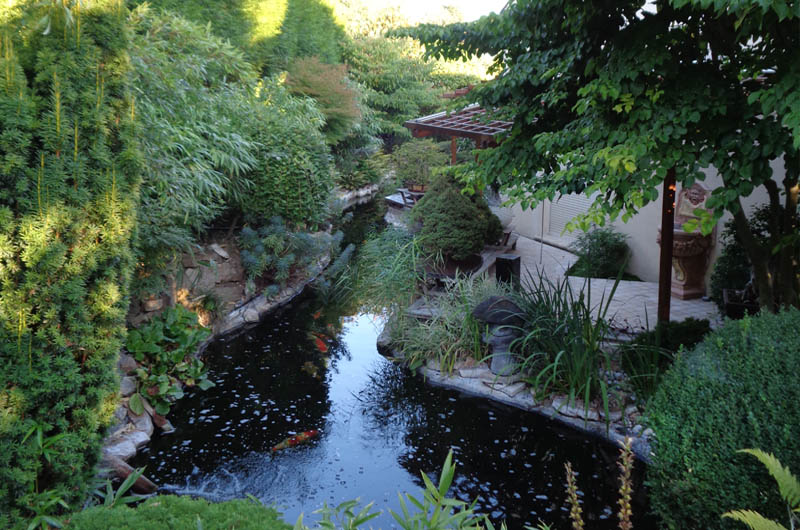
379	426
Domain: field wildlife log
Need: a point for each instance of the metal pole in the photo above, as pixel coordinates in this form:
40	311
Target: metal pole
665	264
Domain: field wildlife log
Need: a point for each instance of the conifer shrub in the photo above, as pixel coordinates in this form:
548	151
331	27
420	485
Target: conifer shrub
417	162
272	33
68	201
738	388
455	224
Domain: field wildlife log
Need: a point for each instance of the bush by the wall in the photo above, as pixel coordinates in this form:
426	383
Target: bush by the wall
180	513
454	223
67	216
601	253
738	388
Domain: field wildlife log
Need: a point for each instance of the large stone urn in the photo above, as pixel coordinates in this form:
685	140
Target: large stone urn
690	250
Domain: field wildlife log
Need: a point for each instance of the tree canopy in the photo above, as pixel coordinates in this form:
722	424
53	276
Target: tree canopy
609	96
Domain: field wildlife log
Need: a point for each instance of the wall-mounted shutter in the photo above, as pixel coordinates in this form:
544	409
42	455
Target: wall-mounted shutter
565	209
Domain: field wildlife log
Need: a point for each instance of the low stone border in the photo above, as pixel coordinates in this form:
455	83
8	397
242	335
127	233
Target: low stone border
133	431
479	381
352	198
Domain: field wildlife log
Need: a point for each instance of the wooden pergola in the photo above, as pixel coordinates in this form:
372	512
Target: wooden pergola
468	122
471	123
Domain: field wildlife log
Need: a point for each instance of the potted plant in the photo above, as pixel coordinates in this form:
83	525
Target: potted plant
415	162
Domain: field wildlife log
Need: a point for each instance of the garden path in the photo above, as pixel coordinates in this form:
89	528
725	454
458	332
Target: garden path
634	305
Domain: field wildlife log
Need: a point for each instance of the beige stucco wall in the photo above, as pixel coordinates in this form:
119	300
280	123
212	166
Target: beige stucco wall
641	229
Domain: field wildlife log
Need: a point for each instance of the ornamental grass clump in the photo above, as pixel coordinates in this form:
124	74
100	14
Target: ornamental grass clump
738	388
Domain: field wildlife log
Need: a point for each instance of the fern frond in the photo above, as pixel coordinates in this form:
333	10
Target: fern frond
753	520
788	484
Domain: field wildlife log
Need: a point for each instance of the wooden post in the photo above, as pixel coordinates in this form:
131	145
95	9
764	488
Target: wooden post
453	150
665	264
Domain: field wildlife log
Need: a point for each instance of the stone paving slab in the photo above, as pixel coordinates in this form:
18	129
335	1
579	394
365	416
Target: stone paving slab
634	307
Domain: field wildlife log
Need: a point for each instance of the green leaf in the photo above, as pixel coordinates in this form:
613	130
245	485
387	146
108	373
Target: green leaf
788	484
205	383
135	404
753	520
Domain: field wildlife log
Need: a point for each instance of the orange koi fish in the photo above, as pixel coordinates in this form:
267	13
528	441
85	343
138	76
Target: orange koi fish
319	342
297	439
316	315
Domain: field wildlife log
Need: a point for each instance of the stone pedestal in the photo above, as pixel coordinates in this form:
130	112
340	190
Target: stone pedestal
690	250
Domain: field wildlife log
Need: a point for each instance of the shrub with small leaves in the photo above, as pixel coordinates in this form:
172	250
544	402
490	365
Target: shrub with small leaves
737	388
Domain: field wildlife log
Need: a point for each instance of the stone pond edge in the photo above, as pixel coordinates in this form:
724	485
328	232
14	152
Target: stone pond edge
475	386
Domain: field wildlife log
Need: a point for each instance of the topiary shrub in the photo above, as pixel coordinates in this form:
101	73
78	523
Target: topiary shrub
453	223
180	513
739	388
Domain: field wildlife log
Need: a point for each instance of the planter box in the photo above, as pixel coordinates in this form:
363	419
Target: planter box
736	306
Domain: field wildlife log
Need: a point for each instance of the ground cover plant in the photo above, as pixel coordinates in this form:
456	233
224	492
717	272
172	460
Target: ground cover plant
71	168
165	348
169	511
416	162
738	388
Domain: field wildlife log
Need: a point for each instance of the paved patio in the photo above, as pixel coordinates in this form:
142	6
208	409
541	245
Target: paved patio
634	307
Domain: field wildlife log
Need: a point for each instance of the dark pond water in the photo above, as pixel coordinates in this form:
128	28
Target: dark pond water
379	427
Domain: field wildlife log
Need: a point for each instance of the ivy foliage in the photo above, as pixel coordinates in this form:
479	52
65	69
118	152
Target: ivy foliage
610	97
68	199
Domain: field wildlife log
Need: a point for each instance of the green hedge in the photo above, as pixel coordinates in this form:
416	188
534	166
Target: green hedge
739	388
69	186
184	513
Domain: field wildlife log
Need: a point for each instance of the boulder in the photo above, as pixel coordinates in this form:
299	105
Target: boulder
121	448
156	303
142	422
126	364
201	279
221	252
127	386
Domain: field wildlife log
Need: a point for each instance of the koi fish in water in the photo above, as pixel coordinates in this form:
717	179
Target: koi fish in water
295	440
319	342
316	315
